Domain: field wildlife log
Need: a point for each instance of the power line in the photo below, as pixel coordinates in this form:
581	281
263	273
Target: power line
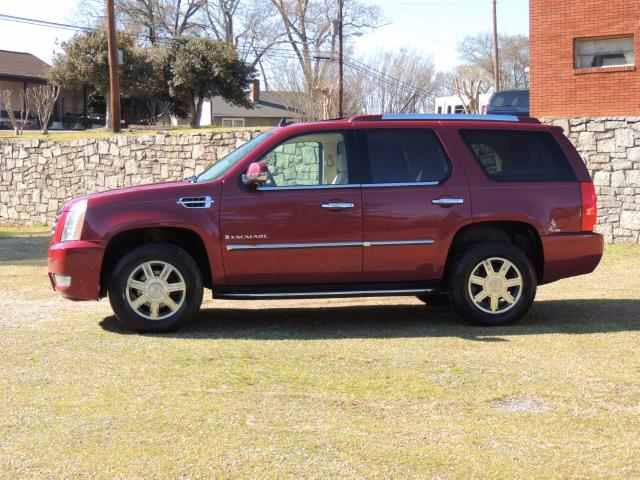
44	23
281	52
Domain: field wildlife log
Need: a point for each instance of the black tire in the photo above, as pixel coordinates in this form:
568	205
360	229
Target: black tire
459	287
159	252
435	299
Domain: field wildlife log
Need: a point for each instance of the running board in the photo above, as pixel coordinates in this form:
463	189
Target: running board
321	294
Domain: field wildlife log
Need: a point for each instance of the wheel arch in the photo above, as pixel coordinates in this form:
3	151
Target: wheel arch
127	240
521	234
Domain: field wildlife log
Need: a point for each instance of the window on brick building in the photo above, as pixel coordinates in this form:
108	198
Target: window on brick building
604	52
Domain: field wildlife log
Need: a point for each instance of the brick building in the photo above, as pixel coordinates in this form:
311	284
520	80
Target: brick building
584	77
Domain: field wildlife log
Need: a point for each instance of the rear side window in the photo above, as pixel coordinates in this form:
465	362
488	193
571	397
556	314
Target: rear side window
405	156
509	156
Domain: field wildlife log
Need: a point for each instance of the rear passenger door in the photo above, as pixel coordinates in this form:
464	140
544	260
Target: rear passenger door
414	199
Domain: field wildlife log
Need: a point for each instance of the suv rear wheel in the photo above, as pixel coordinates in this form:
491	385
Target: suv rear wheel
492	284
155	288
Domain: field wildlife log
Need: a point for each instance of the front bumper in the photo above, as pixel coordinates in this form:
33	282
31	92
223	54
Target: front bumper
569	255
80	260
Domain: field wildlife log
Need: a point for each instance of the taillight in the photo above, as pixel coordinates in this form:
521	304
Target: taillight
589	210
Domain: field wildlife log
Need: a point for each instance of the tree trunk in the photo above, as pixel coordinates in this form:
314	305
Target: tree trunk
196	111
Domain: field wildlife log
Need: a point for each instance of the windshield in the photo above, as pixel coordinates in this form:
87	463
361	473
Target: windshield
510	100
221	166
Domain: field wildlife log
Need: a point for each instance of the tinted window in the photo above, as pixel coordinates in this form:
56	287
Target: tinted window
511	100
405	156
519	156
314	159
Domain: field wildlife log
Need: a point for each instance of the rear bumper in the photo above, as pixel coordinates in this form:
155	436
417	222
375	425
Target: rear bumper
82	262
569	255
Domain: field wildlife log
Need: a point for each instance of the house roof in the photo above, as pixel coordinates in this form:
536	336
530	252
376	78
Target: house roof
22	65
270	105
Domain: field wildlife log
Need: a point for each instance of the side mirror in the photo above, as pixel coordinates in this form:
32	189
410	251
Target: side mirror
256	174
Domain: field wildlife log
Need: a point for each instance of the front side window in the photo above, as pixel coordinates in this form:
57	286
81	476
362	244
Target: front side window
308	160
604	52
510	156
405	156
217	169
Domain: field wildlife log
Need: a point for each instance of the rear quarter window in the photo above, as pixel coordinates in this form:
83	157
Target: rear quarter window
519	156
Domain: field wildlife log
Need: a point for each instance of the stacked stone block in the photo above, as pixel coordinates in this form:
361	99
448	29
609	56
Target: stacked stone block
610	146
38	176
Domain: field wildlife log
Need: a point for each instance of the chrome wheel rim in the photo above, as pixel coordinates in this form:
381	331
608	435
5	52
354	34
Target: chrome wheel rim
156	290
495	285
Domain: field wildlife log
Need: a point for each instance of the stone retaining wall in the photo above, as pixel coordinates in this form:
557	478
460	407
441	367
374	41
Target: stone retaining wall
37	176
610	146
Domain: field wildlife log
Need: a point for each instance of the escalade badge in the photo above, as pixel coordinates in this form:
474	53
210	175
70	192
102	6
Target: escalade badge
247	236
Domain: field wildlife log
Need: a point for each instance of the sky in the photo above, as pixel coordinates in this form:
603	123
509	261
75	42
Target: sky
432	27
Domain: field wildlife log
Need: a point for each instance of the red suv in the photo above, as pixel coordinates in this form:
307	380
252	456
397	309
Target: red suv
474	210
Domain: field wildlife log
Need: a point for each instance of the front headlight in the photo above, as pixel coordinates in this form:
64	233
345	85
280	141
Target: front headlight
74	222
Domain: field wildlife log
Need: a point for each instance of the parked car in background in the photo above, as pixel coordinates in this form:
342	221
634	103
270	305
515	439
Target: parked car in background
509	102
5	122
478	210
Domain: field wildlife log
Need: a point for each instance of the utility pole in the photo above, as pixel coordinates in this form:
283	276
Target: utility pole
496	55
114	81
341	58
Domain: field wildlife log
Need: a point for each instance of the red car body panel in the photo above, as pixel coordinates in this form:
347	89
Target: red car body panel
80	260
291	217
570	255
243	216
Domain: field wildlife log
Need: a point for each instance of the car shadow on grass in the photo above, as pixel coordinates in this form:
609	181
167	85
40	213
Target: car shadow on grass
23	250
402	321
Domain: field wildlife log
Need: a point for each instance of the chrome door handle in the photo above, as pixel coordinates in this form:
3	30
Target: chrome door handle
337	205
448	201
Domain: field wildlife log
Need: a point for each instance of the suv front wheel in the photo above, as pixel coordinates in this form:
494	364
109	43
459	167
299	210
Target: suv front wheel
492	284
155	288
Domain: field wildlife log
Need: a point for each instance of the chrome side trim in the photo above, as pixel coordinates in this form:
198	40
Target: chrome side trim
446	201
286	246
204	201
328	294
283	246
400	184
398	243
337	205
264	188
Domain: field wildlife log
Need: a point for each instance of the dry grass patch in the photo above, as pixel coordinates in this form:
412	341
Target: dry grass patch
373	388
101	133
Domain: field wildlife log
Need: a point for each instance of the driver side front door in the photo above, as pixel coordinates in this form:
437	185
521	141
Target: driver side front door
304	226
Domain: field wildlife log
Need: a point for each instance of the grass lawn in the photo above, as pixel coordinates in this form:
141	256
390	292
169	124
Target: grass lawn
7	230
100	133
368	388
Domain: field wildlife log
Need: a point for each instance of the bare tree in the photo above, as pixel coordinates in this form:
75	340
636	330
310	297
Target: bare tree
394	82
252	26
7	98
311	33
43	98
154	20
468	82
514	57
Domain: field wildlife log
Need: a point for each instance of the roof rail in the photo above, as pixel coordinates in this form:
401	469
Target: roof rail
365	117
450	116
